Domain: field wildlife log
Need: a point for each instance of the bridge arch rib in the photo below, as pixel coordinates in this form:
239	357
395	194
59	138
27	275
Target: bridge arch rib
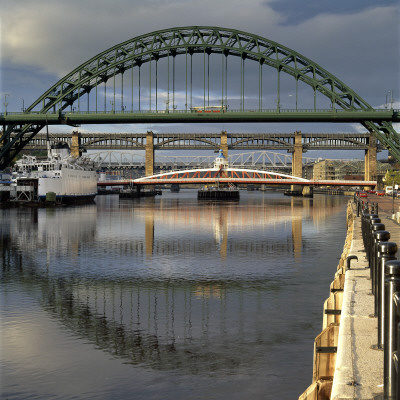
188	41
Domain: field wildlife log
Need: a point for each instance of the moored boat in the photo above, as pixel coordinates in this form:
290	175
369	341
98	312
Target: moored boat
60	178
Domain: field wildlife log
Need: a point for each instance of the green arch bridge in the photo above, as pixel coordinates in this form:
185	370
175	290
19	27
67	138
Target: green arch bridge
195	75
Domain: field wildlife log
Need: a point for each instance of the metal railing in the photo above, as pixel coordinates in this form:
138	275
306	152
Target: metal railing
180	111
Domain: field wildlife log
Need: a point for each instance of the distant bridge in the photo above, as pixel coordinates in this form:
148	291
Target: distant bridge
216	176
209	141
114	159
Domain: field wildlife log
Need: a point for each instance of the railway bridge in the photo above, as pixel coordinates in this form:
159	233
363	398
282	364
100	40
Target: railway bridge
295	143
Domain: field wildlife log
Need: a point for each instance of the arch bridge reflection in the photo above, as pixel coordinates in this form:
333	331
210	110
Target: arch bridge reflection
162	325
164	322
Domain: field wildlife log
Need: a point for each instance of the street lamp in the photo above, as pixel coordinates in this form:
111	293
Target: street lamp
5	102
390	92
392	175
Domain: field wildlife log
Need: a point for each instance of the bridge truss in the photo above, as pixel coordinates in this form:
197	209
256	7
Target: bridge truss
260	159
256	159
209	141
82	96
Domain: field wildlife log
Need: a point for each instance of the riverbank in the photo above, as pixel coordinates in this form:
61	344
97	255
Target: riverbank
349	366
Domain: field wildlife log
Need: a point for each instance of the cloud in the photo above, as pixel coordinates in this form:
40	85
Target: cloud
58	36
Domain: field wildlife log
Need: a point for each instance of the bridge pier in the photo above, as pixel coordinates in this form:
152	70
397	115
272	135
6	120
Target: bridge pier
297	162
297	159
149	157
224	144
75	144
308	191
370	159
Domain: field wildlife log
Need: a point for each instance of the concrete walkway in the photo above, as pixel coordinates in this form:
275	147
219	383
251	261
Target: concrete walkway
359	367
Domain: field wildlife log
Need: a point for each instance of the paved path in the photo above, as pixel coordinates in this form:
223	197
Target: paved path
359	367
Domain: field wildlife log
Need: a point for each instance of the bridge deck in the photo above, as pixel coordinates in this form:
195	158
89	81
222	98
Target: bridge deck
210	141
183	116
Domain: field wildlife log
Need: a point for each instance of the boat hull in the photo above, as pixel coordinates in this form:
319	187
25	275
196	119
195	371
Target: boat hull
68	182
70	199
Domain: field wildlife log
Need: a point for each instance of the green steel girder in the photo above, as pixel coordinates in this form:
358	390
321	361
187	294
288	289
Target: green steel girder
190	40
77	118
176	41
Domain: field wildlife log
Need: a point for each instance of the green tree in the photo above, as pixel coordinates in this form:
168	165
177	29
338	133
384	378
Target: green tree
392	177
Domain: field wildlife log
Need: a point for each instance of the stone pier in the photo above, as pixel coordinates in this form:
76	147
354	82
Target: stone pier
149	158
75	144
370	159
297	164
224	144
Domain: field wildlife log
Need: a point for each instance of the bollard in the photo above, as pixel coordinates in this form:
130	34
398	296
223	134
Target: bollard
392	285
369	237
348	260
396	355
379	237
375	225
365	227
387	251
372	261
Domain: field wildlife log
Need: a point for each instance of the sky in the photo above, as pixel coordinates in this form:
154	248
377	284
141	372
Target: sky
358	41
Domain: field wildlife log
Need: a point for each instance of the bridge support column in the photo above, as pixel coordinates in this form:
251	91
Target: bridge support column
308	191
224	144
297	160
370	159
75	144
149	158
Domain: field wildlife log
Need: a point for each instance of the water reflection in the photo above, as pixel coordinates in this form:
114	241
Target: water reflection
175	285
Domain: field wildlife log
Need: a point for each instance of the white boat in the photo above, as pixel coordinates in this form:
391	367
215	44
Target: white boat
60	178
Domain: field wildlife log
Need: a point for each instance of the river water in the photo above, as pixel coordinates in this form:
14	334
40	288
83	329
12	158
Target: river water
166	297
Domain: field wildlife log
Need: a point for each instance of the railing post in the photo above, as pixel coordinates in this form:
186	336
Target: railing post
375	225
365	228
387	251
369	238
378	235
392	285
396	354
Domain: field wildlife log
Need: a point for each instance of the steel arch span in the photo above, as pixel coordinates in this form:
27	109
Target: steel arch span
77	87
238	176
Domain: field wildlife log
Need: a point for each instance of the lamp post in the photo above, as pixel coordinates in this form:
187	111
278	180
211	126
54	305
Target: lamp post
5	102
392	175
390	92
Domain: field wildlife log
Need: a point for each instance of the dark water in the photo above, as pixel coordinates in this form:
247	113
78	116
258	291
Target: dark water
166	298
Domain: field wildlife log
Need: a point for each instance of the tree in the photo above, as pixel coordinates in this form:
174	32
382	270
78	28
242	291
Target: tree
392	177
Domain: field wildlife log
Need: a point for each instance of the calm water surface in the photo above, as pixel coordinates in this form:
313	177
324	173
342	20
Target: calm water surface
166	298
